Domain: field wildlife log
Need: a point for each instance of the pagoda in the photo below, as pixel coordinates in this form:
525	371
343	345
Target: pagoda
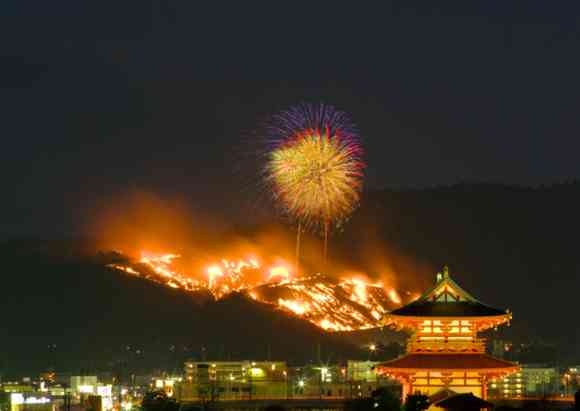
444	354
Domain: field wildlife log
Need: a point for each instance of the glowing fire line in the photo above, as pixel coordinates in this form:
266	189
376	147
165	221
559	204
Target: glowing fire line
345	305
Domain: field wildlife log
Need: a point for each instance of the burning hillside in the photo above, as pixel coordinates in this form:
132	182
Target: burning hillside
345	304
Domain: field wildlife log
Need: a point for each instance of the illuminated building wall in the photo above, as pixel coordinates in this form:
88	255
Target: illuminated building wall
83	384
233	379
17	387
84	387
30	402
246	380
166	383
531	381
361	371
571	380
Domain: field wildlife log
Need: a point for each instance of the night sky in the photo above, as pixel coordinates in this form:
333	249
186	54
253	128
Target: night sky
103	98
100	97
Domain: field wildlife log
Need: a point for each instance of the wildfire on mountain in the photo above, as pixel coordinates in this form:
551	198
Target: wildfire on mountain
345	304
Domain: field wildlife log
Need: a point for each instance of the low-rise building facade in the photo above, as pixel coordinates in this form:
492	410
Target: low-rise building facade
531	381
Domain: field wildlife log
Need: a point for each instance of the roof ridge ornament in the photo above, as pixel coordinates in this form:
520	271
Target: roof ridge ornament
443	276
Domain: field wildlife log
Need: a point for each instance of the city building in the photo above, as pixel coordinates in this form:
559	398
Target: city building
356	379
571	380
17	387
83	384
221	380
24	395
531	381
84	389
361	371
444	353
31	401
233	380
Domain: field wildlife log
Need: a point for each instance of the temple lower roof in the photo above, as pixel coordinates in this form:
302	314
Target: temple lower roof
446	362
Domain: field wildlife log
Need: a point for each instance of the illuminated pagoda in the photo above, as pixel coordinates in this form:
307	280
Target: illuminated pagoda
444	354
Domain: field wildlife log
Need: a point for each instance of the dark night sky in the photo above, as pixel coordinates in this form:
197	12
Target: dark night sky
100	97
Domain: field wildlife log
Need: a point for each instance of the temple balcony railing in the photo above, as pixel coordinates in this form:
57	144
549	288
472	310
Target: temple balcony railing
444	344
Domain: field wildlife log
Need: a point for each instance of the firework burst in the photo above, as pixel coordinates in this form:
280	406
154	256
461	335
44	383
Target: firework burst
315	169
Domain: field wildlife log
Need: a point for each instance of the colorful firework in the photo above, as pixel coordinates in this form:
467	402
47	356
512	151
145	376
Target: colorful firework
315	169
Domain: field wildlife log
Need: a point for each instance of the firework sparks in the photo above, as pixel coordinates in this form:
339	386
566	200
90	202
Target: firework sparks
315	168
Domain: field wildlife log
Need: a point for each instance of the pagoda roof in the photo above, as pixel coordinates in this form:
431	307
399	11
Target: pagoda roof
447	309
447	299
447	362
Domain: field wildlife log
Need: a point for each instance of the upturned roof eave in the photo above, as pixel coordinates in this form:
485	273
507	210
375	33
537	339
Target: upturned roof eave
503	365
507	369
506	315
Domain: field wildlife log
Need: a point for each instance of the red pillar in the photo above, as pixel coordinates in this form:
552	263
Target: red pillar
484	387
406	385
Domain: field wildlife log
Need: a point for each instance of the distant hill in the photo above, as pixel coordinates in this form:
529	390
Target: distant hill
511	247
73	313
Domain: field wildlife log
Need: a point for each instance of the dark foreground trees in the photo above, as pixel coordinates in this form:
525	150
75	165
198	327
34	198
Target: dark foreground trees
158	401
381	399
416	402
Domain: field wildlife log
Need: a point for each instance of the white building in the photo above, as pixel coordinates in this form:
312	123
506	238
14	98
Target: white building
83	384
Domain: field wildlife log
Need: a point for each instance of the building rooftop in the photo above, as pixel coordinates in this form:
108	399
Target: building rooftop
446	362
447	309
447	299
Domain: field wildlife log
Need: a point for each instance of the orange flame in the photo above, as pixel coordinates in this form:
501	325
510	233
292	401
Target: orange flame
315	298
280	272
394	296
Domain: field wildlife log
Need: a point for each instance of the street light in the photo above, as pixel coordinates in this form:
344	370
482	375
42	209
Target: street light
372	350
